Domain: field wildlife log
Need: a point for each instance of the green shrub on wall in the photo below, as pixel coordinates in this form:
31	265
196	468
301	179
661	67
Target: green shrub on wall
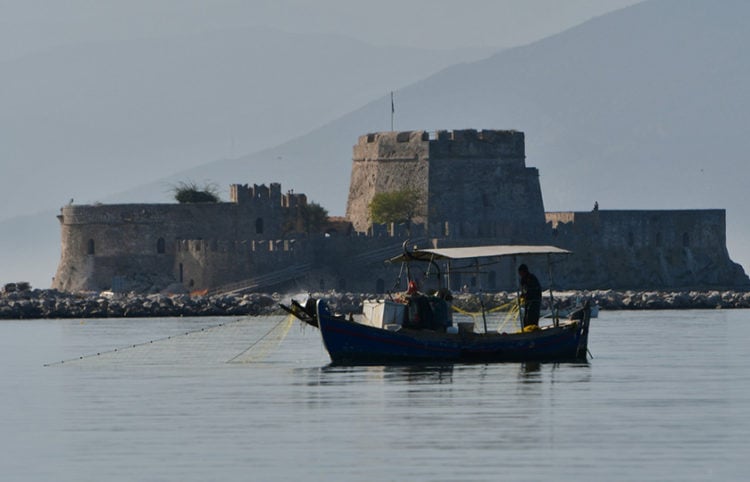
190	192
396	206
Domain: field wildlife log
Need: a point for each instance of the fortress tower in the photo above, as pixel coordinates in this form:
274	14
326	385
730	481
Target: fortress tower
474	184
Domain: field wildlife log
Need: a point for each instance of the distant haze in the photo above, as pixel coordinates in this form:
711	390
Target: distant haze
27	26
643	108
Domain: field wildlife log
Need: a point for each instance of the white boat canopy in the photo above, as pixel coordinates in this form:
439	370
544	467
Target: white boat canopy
471	252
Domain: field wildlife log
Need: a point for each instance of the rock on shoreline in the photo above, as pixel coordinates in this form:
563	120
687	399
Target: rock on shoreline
34	304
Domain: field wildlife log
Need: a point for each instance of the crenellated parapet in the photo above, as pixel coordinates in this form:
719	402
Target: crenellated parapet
506	145
265	195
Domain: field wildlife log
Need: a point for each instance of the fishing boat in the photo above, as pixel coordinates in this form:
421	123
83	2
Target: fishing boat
419	328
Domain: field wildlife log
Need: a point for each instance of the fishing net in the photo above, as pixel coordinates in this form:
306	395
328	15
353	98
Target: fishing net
244	340
500	318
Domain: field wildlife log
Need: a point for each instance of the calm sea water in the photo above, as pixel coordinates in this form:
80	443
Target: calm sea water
666	397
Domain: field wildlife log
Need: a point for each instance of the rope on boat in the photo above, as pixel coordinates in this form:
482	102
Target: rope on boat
512	315
510	308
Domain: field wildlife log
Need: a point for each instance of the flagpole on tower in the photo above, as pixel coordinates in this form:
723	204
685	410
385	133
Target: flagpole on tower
393	110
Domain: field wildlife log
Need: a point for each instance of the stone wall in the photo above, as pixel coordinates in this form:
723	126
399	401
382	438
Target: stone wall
384	162
102	244
655	249
206	264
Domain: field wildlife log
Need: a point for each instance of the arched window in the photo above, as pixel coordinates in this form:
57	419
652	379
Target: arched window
685	240
160	246
259	226
91	249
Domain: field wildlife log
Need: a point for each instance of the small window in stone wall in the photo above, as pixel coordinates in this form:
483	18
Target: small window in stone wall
631	239
259	226
160	246
685	240
91	248
658	240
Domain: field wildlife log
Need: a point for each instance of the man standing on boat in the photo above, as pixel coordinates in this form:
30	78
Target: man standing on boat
531	293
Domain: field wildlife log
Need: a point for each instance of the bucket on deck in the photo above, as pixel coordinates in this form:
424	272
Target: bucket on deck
465	326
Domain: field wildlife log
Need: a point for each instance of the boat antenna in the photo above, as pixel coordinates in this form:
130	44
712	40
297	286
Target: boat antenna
407	256
481	296
518	291
397	283
555	314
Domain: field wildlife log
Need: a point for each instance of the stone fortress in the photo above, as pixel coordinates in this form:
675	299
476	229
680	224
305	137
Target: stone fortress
475	188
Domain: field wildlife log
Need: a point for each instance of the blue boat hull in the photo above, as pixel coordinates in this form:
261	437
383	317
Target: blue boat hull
351	343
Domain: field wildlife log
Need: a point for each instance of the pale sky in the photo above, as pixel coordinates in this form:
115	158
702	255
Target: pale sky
30	25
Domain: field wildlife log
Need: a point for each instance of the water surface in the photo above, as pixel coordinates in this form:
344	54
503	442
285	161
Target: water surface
666	397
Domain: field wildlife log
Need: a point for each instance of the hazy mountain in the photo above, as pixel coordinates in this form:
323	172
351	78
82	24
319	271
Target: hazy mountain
85	121
646	107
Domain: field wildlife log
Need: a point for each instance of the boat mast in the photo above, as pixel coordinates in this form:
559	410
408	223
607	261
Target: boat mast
481	298
555	317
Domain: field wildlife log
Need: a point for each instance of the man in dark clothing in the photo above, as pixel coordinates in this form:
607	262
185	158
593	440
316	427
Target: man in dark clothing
531	291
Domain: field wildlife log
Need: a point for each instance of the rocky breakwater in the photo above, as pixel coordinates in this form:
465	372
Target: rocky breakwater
670	300
34	304
606	299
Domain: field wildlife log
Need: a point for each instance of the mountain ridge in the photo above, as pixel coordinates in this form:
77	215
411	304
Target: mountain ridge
150	107
642	108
